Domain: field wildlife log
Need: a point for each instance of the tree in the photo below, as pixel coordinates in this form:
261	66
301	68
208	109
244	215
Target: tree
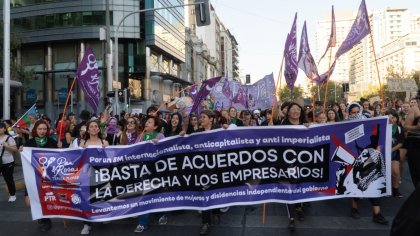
334	94
17	72
284	93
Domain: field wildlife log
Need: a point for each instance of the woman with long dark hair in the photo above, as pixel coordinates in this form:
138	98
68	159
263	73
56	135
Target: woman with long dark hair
150	133
193	123
332	116
174	126
93	138
41	139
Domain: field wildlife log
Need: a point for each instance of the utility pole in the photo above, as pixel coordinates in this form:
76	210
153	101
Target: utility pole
6	60
108	47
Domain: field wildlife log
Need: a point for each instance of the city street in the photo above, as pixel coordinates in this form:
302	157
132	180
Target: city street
322	218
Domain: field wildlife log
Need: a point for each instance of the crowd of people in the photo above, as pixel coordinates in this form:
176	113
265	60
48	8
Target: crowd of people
105	130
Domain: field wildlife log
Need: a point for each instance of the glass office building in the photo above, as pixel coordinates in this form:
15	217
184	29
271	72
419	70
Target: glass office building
151	48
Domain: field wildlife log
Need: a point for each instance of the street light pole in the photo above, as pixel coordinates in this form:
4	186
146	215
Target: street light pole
6	59
108	48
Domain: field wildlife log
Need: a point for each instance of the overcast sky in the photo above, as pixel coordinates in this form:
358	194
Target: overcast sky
260	27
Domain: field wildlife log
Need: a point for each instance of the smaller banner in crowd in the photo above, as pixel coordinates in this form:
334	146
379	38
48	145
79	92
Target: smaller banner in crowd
230	93
240	166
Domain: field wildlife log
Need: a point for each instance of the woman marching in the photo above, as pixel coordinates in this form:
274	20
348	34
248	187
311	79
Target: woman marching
151	133
93	138
7	148
40	139
294	116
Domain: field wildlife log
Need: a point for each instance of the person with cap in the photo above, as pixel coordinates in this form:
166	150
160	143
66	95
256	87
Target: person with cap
257	117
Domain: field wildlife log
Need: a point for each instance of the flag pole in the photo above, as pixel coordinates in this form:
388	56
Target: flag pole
313	95
326	86
23	115
278	84
65	108
377	69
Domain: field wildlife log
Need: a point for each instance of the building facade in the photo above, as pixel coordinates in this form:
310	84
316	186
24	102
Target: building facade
213	50
343	21
151	49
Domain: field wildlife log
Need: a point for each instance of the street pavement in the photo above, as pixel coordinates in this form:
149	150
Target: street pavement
329	218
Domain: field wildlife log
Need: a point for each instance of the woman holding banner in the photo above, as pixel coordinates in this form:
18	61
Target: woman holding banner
151	133
355	113
294	116
40	139
94	138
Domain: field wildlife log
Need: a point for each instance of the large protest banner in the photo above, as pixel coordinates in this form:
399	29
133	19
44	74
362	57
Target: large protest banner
218	168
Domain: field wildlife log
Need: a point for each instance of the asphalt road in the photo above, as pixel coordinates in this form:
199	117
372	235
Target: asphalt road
329	218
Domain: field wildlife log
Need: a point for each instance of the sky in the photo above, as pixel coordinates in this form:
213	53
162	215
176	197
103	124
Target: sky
260	27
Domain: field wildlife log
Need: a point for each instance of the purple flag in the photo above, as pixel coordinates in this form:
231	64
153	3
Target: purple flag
193	91
306	61
358	31
323	78
290	54
226	89
260	94
88	78
205	89
242	96
333	38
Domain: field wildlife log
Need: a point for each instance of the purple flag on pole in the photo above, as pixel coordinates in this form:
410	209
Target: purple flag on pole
358	31
193	91
226	89
306	61
290	54
88	78
205	89
333	39
323	78
242	96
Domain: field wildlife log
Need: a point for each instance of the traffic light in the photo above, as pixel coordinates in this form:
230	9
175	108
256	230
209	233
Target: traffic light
346	87
202	13
126	98
248	79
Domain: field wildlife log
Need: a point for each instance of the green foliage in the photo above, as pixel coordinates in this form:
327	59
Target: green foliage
284	93
17	71
334	94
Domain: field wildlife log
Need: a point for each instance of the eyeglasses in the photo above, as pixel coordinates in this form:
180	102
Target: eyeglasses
131	122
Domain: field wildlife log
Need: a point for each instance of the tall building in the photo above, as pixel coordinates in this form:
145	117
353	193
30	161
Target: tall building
392	24
343	21
363	77
151	49
395	36
213	49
